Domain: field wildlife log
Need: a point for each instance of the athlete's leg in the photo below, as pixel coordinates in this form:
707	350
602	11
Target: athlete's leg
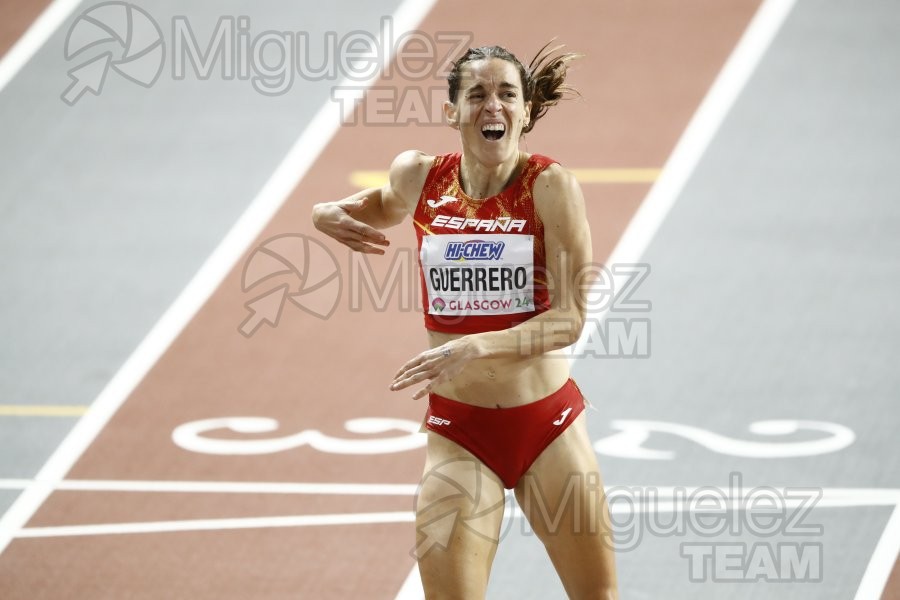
562	497
459	512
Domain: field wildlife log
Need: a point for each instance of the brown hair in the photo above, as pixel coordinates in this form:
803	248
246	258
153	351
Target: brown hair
543	81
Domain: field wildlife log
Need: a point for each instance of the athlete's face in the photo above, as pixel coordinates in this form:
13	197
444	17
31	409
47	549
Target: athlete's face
490	110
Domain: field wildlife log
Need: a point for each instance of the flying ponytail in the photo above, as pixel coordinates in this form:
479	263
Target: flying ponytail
547	81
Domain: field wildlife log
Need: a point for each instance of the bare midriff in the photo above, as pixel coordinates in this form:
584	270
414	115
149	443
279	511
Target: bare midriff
503	382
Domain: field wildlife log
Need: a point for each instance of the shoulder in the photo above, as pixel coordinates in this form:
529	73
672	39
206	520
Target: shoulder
410	165
559	204
556	191
407	176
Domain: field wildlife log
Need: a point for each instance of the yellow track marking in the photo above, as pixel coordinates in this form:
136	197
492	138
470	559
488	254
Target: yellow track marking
368	179
616	175
372	179
36	410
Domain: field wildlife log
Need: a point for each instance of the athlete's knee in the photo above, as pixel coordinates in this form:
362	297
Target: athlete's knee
607	593
603	592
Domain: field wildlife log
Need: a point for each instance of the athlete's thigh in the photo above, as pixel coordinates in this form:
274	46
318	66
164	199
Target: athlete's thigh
563	499
459	512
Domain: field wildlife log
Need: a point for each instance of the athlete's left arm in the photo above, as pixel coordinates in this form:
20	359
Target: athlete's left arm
567	242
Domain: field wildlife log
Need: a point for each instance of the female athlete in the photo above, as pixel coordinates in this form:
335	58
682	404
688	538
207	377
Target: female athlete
503	245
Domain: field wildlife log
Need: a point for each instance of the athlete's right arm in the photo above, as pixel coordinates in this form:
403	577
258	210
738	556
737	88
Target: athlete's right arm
355	220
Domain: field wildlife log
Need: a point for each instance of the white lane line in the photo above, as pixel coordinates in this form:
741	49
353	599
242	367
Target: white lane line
15	484
884	557
221	487
217	524
273	194
839	497
789	495
619	504
33	39
687	154
412	586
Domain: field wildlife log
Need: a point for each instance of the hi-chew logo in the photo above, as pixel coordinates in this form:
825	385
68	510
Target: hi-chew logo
474	250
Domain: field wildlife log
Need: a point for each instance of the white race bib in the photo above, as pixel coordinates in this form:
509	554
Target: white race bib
478	274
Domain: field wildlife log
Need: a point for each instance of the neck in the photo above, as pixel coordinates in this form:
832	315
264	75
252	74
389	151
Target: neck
483	181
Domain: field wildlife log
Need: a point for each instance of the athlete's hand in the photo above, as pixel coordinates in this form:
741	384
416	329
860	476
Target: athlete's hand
336	220
437	365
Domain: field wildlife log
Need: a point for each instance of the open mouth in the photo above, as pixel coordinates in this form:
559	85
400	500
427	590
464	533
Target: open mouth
493	131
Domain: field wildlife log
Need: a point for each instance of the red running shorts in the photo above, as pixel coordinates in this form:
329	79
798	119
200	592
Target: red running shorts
506	440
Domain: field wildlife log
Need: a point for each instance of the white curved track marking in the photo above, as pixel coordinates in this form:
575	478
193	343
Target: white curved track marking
190	436
629	442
